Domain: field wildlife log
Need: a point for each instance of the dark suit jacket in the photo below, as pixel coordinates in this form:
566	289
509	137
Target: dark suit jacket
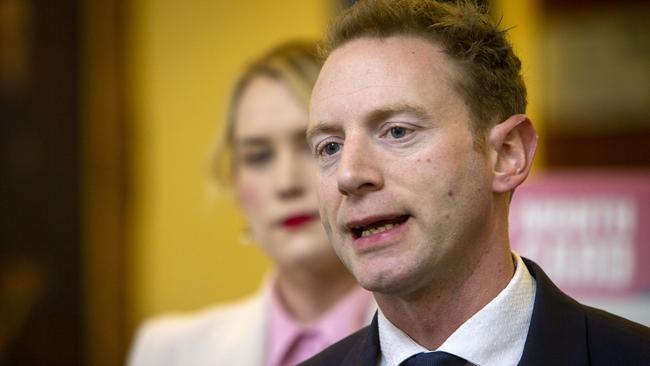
562	332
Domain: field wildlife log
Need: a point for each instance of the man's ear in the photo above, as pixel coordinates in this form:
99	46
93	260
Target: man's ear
513	143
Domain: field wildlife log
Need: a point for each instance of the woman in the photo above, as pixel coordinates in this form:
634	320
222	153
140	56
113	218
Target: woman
311	300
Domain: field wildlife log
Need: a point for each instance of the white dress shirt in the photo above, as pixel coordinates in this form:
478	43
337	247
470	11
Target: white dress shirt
494	336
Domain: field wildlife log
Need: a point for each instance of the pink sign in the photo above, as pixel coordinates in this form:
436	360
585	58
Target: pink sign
590	232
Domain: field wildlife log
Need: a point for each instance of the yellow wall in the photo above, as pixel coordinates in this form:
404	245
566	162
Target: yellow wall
523	18
184	56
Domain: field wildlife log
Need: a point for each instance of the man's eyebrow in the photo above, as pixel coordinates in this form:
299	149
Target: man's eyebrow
320	128
391	110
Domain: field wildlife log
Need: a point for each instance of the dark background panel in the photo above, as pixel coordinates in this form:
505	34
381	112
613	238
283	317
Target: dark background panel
39	184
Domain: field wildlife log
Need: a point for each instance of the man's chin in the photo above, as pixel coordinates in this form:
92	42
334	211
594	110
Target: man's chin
380	282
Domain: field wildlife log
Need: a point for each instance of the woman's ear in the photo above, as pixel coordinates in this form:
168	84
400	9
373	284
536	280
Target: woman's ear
513	143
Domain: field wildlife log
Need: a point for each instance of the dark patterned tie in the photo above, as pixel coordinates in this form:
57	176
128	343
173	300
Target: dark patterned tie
434	359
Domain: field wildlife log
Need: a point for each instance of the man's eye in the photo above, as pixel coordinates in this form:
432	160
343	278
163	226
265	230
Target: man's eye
398	132
331	148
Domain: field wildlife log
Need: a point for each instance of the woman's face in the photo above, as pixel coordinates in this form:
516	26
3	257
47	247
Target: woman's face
275	176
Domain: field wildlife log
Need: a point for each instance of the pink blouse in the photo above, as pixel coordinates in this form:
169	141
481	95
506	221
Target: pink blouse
289	343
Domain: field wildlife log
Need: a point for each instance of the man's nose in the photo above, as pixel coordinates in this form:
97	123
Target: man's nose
288	177
358	169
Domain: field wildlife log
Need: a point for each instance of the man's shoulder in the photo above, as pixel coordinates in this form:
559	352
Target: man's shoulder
611	337
579	333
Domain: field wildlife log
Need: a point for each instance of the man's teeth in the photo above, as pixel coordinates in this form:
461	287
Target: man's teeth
380	229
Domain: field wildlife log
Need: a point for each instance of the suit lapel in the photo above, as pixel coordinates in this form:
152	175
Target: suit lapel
557	333
365	351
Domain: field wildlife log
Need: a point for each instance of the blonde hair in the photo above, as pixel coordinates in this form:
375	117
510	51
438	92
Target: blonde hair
296	63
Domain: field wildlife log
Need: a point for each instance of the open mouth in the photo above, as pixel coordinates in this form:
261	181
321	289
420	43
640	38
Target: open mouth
377	227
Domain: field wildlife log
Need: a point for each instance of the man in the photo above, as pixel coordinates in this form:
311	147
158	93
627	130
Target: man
418	124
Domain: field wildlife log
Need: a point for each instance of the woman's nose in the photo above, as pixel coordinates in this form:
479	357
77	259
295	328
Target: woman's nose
288	175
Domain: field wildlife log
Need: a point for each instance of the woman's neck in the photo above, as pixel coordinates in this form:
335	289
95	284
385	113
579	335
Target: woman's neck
307	295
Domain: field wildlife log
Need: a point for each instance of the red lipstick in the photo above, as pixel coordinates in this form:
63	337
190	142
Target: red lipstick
297	221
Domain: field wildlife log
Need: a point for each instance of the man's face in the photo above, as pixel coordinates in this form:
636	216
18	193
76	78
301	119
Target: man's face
404	196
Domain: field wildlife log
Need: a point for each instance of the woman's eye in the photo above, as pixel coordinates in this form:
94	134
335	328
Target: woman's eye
398	132
331	148
257	158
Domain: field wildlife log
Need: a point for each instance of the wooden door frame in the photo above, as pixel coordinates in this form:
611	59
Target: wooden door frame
104	156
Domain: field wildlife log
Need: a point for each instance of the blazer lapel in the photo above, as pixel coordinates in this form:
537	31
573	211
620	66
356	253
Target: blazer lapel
557	333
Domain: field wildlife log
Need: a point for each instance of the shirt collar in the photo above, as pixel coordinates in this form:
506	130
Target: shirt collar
495	335
348	315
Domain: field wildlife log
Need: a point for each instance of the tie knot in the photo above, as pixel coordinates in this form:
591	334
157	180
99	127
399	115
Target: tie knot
434	359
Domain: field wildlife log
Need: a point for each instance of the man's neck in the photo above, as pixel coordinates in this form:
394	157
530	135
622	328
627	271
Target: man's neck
432	314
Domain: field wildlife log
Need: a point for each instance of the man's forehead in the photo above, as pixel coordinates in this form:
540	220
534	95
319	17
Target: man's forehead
364	62
368	70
